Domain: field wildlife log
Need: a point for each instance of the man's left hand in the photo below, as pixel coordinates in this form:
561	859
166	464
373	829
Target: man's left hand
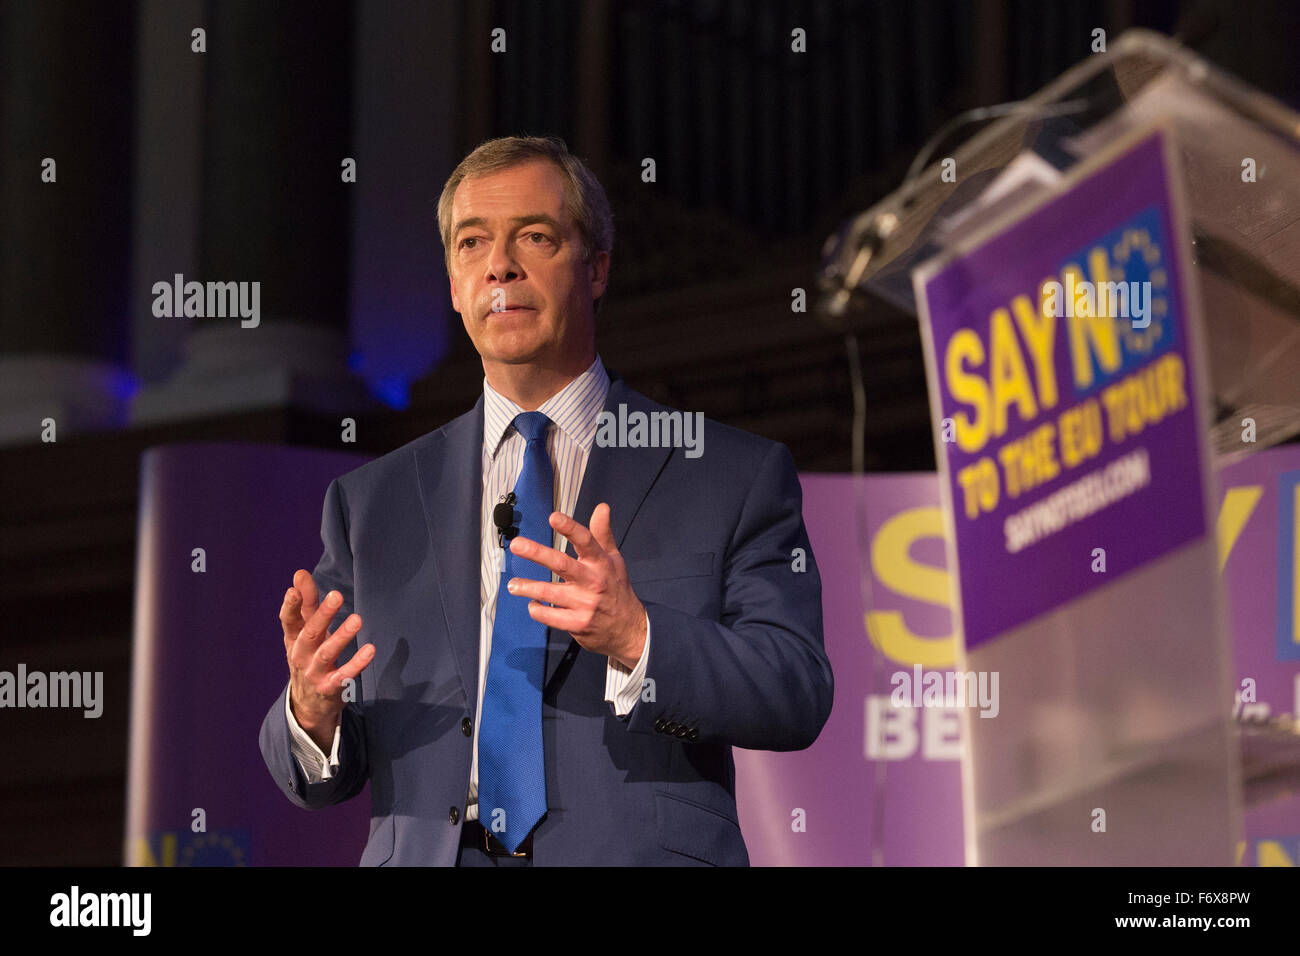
595	603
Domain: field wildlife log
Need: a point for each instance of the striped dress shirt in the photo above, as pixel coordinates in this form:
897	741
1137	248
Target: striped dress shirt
574	412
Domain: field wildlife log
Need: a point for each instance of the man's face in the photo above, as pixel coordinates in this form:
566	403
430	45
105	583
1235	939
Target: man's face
514	245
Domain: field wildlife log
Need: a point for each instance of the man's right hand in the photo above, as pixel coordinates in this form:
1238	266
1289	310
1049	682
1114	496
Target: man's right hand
315	684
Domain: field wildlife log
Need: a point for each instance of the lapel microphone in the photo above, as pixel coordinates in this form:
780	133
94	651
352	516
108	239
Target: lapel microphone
503	516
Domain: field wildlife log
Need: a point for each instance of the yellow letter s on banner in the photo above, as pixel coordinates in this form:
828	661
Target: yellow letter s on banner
894	567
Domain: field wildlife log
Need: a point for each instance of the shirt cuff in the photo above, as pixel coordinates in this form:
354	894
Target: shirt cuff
623	686
316	767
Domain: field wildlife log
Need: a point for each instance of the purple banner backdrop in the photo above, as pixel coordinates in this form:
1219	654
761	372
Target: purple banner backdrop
835	782
909	795
1043	398
1259	547
209	660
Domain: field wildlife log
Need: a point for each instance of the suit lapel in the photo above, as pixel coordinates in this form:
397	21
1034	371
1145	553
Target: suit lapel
621	477
451	483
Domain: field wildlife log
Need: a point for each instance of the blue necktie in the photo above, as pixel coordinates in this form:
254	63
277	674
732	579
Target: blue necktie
511	775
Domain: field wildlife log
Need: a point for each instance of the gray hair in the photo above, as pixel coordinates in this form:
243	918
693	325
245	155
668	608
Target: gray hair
584	197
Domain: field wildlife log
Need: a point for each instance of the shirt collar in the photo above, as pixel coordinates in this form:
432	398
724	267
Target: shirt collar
575	409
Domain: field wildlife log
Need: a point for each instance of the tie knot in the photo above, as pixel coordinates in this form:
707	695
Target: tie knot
532	425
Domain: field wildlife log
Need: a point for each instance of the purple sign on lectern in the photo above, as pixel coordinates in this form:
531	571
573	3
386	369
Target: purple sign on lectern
1065	391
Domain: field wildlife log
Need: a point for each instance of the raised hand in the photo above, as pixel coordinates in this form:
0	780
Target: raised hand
315	684
596	603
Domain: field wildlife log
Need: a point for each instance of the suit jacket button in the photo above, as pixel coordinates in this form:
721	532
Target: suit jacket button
693	735
466	726
453	816
660	724
681	731
670	727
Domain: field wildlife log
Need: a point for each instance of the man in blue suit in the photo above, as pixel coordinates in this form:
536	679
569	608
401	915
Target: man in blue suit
587	681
